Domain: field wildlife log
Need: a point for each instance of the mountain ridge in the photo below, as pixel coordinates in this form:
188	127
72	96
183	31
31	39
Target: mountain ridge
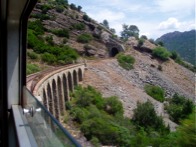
181	42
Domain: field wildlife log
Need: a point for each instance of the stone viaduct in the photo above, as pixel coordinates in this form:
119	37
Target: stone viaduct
52	88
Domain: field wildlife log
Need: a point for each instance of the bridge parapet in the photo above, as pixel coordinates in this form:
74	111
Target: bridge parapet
52	88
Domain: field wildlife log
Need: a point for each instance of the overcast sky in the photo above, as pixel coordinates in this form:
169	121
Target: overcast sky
153	17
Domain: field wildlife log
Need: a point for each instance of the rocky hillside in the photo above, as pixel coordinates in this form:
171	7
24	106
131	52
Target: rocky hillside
59	34
181	42
111	79
67	25
62	24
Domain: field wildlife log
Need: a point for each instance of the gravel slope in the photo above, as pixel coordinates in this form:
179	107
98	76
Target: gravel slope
109	78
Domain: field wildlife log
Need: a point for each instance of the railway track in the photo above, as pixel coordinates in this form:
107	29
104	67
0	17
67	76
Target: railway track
33	79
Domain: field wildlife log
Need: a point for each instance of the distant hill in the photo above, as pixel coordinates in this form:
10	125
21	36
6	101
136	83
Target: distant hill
181	42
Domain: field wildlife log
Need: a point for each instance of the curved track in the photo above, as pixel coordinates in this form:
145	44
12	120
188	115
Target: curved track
33	79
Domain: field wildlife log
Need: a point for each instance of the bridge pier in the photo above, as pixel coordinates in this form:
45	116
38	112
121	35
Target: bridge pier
54	87
61	96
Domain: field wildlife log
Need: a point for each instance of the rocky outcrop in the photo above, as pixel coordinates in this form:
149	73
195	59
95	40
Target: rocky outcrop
146	47
67	19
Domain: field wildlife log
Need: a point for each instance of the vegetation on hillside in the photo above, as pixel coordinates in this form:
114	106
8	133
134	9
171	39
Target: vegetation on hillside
161	53
84	38
125	61
187	131
102	122
102	119
50	53
129	31
32	68
156	92
145	116
176	57
181	42
179	108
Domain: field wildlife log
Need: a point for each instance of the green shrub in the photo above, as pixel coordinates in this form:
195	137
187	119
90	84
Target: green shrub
86	18
156	92
179	108
174	55
144	37
32	68
32	55
160	43
41	16
95	141
67	54
126	61
87	96
84	38
145	116
61	33
31	39
61	2
79	8
50	41
187	135
113	106
140	42
79	26
107	132
161	53
38	45
59	8
45	8
36	26
73	6
79	114
103	126
49	58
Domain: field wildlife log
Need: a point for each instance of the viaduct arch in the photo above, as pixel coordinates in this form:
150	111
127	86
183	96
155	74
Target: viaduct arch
53	88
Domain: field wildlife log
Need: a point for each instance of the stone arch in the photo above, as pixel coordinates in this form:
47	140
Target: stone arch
75	78
45	101
65	88
60	95
50	99
56	100
80	77
114	51
70	82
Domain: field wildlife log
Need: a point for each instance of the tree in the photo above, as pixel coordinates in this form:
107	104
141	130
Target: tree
79	8
113	30
86	18
106	24
151	41
73	6
129	31
174	55
145	116
62	2
160	43
144	37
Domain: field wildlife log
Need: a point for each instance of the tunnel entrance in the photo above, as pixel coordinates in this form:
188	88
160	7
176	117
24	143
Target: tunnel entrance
113	52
